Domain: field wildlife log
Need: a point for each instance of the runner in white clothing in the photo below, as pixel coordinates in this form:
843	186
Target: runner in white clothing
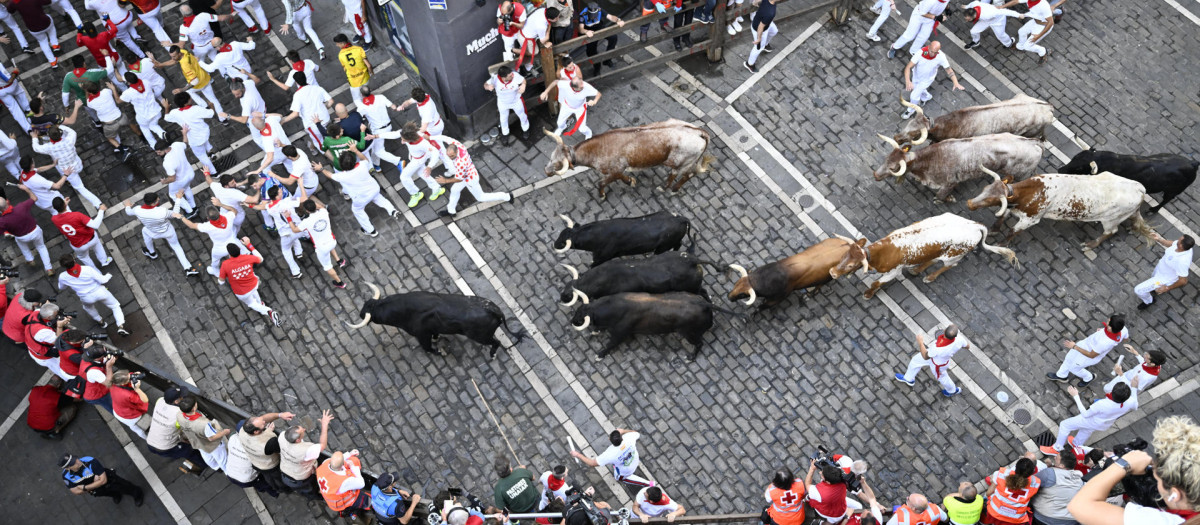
535	32
362	188
317	225
230	59
509	87
147	70
252	14
374	108
431	121
311	104
179	175
463	175
1041	22
554	486
299	171
921	24
936	359
88	284
42	190
220	231
1097	418
358	20
884	8
653	502
423	156
573	101
1146	371
622	456
304	67
251	100
60	146
147	108
267	131
984	15
1170	273
156	224
920	73
283	212
111	10
299	16
197	31
10	21
193	120
14	97
1090	351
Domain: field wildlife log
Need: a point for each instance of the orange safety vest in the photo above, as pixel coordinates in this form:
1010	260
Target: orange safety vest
1011	506
787	506
930	516
329	482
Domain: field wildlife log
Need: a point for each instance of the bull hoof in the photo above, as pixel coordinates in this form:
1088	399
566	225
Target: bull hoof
1090	245
868	295
929	279
632	182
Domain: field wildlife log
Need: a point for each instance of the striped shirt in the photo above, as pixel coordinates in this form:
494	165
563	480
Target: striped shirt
155	219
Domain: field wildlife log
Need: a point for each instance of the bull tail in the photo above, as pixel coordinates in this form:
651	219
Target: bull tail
1008	254
691	249
705	162
1143	228
731	313
517	335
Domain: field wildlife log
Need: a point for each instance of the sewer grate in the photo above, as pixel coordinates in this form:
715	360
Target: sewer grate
1022	417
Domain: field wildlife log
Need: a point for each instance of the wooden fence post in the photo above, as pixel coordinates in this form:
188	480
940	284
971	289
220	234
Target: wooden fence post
550	74
716	33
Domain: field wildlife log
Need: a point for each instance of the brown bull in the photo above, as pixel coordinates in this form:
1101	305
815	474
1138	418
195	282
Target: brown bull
807	269
673	143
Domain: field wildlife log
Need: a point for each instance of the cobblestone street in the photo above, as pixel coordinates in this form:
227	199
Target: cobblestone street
794	145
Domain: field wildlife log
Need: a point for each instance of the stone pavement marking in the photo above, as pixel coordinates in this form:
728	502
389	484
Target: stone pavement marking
1191	16
15	416
135	454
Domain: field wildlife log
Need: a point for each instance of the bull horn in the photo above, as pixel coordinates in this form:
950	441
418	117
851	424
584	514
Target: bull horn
574	272
554	136
366	319
753	296
374	290
564	248
994	175
844	238
740	270
574	297
570	223
1003	193
566	165
581	295
587	321
903	168
907	104
889	140
1079	142
1095	168
924	135
866	266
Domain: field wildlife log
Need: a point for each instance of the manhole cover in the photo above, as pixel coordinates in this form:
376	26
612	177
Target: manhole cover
804	200
1022	417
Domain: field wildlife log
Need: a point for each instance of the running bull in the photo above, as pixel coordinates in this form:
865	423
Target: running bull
427	316
1104	198
607	239
1021	115
1162	173
807	269
627	314
673	143
662	273
943	165
946	238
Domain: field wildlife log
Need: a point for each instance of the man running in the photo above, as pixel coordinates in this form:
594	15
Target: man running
463	175
311	104
573	101
193	120
80	231
238	269
920	73
622	456
88	284
354	61
319	228
509	88
357	182
156	224
61	148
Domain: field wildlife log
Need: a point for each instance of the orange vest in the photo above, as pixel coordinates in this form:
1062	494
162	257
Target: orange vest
1011	506
930	516
329	482
787	506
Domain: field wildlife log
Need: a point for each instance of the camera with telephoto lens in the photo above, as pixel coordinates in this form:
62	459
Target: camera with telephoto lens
115	352
1141	489
823	459
63	315
134	377
9	271
581	508
98	337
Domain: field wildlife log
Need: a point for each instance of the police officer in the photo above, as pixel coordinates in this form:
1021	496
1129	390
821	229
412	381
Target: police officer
85	474
387	500
593	18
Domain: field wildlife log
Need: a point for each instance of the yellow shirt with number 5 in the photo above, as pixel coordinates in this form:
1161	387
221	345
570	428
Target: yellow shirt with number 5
354	60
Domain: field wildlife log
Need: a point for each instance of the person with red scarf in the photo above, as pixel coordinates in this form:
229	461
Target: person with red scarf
1041	22
33	12
652	502
88	283
921	24
983	15
937	359
1096	418
1147	369
573	101
1090	351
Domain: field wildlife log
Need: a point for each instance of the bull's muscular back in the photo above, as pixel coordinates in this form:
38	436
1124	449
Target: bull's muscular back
807	268
1078	197
953	161
1021	115
672	143
419	312
944	236
643	313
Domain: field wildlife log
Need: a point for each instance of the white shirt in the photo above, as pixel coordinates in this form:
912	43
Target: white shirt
357	181
561	493
623	458
1104	412
1101	343
192	117
301	168
42	188
1139	515
1040	12
535	26
163	434
220	236
252	100
199	32
283	211
310	74
319	229
930	7
272	137
155	219
376	112
941	355
145	104
150	76
424	150
96	375
988	12
507	94
926	69
574	99
654	510
107	7
1172	266
429	113
1145	379
176	164
105	106
231	197
309	101
89	281
62	151
232	60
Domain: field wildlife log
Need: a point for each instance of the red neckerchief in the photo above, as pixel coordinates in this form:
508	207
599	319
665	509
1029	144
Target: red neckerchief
136	67
26	175
943	341
148	207
139	86
220	222
191	417
92	97
368	100
298	66
6	211
664	501
925	53
977	13
187	20
423	102
1152	370
1185	514
225	48
554	483
79	71
75	270
1109	396
1114	336
52	141
185	108
1032	3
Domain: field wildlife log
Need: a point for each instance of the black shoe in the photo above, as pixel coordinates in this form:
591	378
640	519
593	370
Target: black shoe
139	498
321	54
891	53
342	263
150	254
1143	306
642	35
27	49
445	213
679	47
367	46
610	63
339	284
297	276
126	154
1053	377
121	330
768	49
1042	60
971	45
750	67
1083	383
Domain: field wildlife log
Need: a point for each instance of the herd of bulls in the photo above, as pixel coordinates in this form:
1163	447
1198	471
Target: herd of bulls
663	293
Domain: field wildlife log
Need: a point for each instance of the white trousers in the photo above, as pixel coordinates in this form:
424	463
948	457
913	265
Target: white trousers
251	13
204	52
920	92
17	101
509	42
64	7
998	25
325	256
77	183
416	169
132	424
942	373
12	164
188	202
53	365
918	31
476	191
34	241
153	20
377	151
1081	426
1028	31
565	113
316	131
302	25
84	253
290	245
14	29
105	297
207	91
46	38
885	9
200	150
358	206
126	34
1144	288
519	109
1076	364
771	31
148	238
151	127
252	300
361	27
218	253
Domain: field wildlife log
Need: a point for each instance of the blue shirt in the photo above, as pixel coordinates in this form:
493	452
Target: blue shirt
384	504
592	19
91	468
271	182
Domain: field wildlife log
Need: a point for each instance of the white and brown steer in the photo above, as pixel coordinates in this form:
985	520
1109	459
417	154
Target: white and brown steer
1105	198
946	238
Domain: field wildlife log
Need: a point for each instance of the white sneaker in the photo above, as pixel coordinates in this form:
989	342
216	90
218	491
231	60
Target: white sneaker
729	29
908	113
873	37
875	9
737	24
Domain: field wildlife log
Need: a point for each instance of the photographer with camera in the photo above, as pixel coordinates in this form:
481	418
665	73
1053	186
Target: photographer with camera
49	411
129	402
1175	474
70	347
42	328
19	307
97	371
583	509
829	497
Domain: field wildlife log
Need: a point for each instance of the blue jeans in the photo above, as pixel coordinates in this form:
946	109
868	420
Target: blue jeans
105	402
706	11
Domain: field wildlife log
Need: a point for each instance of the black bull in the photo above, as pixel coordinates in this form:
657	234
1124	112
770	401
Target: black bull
662	273
627	314
427	316
1164	172
607	239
